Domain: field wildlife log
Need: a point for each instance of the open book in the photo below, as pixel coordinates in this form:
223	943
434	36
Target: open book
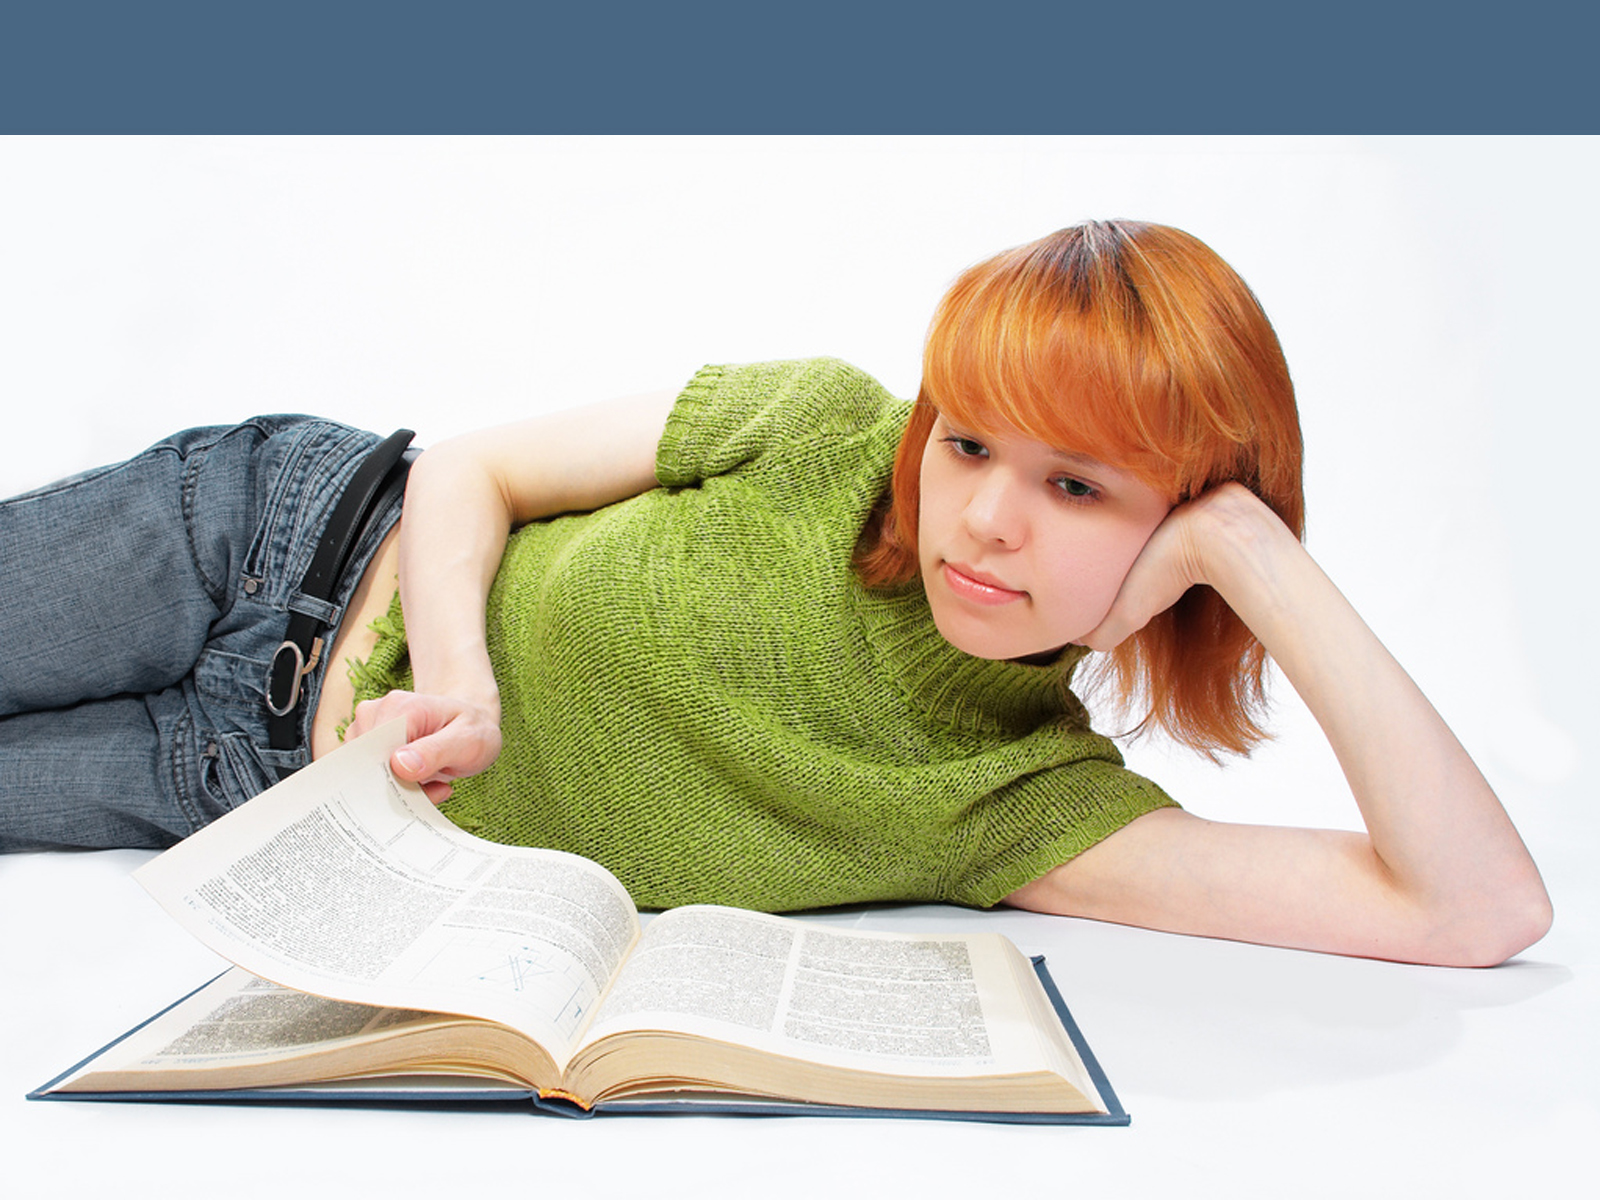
411	960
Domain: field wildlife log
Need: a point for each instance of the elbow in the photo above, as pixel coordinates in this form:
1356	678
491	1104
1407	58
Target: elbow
448	460
457	474
1498	935
1531	922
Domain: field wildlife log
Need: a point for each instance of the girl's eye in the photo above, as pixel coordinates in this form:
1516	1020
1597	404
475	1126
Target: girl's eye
965	447
1076	488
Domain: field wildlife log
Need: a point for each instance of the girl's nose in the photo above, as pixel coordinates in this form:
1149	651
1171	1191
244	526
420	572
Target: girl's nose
993	514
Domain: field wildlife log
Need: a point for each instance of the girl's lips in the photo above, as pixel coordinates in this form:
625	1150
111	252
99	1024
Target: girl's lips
973	586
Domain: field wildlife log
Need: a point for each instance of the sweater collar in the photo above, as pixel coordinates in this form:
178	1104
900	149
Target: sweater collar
954	688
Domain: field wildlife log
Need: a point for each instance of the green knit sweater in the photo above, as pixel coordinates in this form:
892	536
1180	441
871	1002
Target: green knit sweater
699	694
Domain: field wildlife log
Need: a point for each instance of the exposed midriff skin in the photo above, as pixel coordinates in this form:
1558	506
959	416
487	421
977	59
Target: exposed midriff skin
356	639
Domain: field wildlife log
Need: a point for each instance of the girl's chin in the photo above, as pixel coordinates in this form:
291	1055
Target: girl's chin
997	645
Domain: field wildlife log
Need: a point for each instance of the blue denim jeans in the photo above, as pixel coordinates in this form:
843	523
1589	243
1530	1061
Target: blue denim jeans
140	605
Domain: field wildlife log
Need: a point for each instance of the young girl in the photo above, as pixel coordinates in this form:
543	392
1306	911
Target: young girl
803	644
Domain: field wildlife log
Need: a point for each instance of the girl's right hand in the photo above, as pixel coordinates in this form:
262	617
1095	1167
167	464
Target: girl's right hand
446	738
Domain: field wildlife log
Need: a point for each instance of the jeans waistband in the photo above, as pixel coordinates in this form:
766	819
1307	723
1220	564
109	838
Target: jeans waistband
371	490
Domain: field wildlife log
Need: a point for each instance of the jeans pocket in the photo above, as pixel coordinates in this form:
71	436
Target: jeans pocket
231	770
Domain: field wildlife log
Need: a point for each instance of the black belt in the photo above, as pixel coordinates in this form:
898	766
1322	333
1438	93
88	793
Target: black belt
381	471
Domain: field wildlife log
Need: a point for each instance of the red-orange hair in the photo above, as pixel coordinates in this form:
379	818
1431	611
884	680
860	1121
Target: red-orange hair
1137	345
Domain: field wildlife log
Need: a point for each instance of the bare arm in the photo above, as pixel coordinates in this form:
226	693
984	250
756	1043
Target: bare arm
1440	876
463	498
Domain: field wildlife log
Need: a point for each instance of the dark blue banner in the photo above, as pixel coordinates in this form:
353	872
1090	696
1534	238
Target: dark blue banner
824	66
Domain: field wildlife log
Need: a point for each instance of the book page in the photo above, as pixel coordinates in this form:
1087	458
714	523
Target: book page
346	882
235	1020
895	1003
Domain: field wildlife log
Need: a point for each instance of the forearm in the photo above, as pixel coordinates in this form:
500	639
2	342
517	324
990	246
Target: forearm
452	538
464	497
1441	841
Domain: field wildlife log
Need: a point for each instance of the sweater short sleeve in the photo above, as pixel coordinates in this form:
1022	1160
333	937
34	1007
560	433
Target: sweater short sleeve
1034	824
728	416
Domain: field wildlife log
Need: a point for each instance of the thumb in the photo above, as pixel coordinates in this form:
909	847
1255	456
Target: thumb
449	752
415	766
409	763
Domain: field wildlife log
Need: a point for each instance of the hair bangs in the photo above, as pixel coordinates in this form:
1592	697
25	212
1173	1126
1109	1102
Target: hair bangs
1016	361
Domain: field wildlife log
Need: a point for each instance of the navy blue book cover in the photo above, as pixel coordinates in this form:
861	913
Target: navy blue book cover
418	1092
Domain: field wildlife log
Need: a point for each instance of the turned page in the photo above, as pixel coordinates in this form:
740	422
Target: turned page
955	1005
346	882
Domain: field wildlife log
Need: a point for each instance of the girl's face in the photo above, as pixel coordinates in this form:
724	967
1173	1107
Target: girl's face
1022	546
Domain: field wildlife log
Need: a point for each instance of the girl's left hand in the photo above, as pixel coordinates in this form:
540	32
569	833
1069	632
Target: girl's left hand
1187	548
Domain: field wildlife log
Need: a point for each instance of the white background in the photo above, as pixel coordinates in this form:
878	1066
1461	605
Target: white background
1436	302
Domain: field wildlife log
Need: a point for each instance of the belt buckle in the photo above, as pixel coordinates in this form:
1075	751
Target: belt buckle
297	665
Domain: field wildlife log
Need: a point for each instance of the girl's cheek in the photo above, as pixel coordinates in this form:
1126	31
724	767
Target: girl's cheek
1097	572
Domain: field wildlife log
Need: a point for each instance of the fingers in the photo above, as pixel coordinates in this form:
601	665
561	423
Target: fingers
1151	587
1194	545
1111	632
446	738
1165	568
1134	608
409	763
370	714
436	790
459	748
